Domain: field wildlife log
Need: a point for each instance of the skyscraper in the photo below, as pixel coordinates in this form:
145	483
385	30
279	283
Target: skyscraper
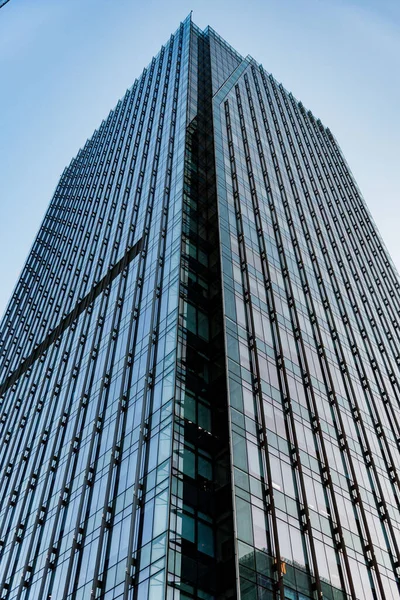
200	361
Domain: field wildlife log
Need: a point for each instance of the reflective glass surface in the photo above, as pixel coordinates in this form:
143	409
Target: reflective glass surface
199	390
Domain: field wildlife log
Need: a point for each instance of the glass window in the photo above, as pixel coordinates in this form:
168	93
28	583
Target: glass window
205	538
189	463
243	520
259	528
188	524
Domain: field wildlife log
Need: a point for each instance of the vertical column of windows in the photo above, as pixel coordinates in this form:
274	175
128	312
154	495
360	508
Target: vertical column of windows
138	554
254	363
123	171
148	428
201	560
111	481
310	396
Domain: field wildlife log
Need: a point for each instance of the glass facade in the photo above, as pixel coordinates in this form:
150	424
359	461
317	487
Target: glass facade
199	389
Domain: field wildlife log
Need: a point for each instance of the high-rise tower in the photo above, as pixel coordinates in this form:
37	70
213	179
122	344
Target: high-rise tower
200	361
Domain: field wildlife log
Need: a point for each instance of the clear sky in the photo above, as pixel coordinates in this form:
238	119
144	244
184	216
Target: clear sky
65	63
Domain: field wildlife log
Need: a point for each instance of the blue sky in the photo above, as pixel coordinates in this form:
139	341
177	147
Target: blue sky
65	63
